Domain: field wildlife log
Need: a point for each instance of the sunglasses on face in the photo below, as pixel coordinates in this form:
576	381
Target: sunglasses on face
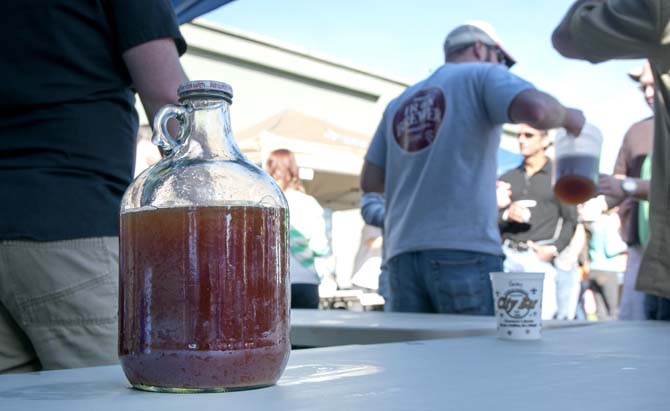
643	87
499	54
528	134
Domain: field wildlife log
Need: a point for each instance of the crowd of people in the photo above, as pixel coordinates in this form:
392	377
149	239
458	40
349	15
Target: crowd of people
68	141
580	249
433	155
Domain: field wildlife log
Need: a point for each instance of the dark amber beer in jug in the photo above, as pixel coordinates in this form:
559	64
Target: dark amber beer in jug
577	165
203	303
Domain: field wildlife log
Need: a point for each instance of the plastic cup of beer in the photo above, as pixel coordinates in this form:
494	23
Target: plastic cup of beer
577	164
518	304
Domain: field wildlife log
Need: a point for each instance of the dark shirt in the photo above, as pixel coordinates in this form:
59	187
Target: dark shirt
546	213
67	119
636	145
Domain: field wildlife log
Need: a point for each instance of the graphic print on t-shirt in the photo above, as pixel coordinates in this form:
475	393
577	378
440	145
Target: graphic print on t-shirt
417	121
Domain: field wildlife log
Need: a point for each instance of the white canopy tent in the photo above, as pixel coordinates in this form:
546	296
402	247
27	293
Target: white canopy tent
330	155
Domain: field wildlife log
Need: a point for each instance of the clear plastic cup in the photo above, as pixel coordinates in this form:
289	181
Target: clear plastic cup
518	304
577	164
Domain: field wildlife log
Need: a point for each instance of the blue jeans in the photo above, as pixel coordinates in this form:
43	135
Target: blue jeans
657	308
442	281
304	295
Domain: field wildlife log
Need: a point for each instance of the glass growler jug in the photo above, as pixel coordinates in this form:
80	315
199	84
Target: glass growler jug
203	258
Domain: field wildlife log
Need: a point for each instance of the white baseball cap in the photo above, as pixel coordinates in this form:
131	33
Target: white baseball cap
472	31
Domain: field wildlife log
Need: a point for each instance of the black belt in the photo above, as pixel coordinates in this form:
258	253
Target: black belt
516	245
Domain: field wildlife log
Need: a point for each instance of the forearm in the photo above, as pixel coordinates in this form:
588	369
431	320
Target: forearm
567	232
620	172
612	201
551	114
570	218
373	209
613	188
156	73
372	178
643	188
542	111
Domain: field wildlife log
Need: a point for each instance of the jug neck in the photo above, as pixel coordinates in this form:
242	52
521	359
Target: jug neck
211	134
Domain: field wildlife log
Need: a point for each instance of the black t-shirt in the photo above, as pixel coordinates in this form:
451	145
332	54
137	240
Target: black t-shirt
67	119
544	216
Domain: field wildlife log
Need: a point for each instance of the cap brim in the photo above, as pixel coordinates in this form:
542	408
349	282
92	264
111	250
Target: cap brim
509	60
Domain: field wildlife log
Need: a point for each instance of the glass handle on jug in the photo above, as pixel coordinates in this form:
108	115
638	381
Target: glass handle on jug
162	137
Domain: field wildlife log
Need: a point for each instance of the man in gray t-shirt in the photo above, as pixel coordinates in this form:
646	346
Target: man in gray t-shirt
434	158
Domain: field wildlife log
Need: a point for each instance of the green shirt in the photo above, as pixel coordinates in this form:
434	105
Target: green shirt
643	210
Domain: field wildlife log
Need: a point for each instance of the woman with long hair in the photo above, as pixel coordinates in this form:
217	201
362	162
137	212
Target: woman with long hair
308	238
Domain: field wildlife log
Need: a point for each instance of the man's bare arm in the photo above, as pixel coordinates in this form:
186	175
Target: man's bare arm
372	178
156	73
543	112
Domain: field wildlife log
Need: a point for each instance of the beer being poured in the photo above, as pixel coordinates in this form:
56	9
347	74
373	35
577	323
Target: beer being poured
577	165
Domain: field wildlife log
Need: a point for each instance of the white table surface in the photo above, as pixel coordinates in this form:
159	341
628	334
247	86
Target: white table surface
608	366
325	328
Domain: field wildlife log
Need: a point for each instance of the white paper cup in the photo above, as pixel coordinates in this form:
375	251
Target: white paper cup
518	304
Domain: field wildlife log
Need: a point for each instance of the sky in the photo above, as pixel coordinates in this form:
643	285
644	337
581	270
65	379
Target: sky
403	40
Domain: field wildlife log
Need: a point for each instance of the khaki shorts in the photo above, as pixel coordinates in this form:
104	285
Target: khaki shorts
58	304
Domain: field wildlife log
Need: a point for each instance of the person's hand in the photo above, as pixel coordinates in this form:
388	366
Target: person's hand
544	252
503	193
574	121
518	213
610	186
